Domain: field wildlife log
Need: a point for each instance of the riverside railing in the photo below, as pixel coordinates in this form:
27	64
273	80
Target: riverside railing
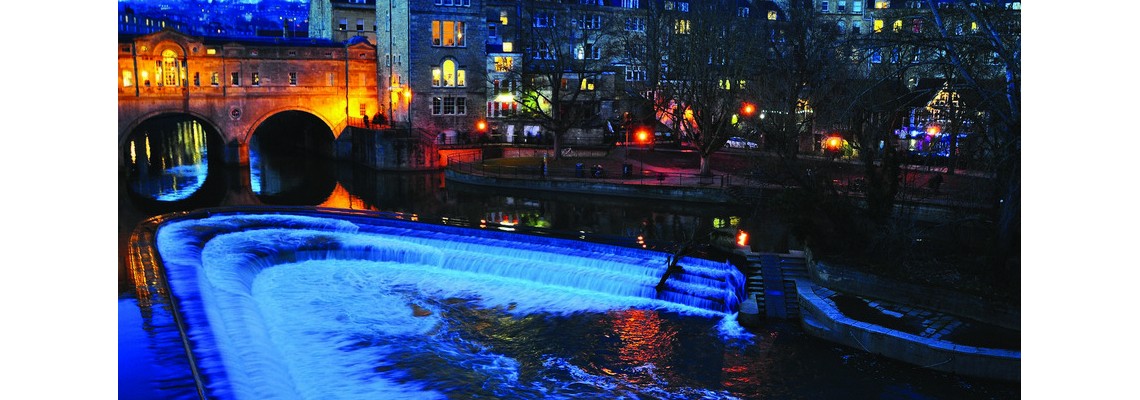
475	165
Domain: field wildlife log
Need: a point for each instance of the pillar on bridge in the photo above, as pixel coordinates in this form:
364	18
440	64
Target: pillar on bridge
236	153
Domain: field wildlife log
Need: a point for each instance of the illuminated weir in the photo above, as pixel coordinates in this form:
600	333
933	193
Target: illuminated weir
322	305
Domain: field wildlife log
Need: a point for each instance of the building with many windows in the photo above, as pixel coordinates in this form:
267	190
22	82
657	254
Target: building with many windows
581	68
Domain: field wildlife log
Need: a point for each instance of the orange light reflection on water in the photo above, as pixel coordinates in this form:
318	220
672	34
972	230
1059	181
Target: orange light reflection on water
341	198
644	338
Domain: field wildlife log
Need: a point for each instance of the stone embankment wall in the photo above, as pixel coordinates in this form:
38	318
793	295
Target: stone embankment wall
936	299
824	321
664	192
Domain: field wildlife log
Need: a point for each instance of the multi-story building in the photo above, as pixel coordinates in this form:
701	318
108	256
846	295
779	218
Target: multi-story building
341	20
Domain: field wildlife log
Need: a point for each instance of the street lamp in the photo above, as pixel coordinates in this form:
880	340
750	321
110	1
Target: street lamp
643	139
833	144
747	109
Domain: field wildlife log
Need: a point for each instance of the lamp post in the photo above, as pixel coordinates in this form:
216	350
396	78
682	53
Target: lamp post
642	139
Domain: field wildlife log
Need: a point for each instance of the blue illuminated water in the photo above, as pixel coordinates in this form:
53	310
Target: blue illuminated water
325	308
489	337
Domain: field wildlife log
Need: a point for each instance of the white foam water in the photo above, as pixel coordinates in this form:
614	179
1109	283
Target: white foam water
308	307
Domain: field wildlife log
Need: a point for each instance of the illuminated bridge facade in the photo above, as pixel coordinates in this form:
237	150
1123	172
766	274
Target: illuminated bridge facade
233	87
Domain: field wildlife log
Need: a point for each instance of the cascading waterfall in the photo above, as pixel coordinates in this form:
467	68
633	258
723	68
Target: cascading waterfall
271	299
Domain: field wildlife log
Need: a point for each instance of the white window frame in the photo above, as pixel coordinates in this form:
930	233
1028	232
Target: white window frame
635	24
635	73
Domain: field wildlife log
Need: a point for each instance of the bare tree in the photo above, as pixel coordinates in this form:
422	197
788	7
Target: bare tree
698	83
975	48
566	69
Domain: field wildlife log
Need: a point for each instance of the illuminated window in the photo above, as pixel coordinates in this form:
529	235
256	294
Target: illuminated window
128	79
448	74
448	33
588	51
897	26
683	6
629	3
878	26
503	64
169	70
255	79
498	109
503	18
857	6
771	15
880	4
508	47
586	84
293	79
211	51
682	27
214	80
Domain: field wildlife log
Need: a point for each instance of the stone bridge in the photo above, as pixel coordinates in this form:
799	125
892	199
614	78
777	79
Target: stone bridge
233	87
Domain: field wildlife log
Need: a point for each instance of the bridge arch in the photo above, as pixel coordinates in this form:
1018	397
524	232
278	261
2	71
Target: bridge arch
335	128
293	129
131	126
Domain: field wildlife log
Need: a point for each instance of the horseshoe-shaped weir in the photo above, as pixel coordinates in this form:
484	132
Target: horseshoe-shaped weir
318	305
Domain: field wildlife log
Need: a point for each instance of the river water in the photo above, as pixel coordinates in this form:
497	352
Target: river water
627	353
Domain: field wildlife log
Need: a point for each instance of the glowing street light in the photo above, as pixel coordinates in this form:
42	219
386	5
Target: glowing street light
747	109
642	136
834	142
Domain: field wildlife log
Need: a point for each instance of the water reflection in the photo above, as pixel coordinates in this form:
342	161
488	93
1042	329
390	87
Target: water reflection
645	343
168	160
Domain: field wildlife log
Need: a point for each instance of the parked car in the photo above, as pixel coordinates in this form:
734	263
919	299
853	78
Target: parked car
740	143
